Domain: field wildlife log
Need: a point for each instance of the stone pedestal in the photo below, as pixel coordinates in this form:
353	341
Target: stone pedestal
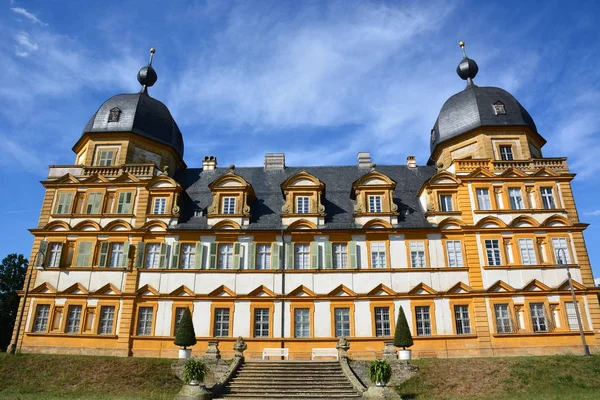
342	348
389	351
377	392
212	351
193	392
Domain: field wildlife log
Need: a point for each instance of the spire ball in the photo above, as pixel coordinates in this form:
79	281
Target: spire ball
461	44
147	75
467	69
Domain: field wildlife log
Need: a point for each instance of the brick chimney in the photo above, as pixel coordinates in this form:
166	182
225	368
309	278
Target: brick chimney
411	162
274	161
209	163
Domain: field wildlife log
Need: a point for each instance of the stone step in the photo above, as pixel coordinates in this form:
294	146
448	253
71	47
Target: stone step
290	379
278	392
303	372
291	397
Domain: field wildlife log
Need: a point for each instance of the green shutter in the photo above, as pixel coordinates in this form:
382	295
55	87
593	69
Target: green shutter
93	203
212	256
236	256
328	255
289	256
275	255
124	205
125	254
44	250
314	255
251	255
175	255
103	258
352	254
139	254
162	261
84	254
198	256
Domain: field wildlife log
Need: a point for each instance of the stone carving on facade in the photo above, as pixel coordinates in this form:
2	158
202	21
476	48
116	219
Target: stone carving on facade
342	347
239	347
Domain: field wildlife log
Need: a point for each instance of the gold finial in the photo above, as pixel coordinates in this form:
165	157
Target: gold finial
152	51
462	46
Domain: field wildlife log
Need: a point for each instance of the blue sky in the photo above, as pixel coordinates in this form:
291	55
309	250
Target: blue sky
317	80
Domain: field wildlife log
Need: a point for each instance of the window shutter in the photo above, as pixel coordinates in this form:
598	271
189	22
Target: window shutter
212	256
44	250
251	255
175	255
162	261
275	255
83	254
103	254
139	254
125	254
352	254
314	255
198	256
328	255
289	256
236	256
96	202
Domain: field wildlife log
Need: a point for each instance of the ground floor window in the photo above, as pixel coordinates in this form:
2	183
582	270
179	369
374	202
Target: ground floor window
221	327
342	322
179	311
73	319
41	318
301	322
571	316
107	317
503	322
144	327
538	317
261	322
461	317
423	318
382	321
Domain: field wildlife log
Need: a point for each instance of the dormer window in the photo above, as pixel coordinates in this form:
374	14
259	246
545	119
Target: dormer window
228	205
114	114
232	196
302	194
375	204
303	204
499	108
373	196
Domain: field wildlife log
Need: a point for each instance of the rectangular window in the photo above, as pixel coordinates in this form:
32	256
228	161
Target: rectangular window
423	318
264	256
506	153
84	254
342	322
228	205
116	255
561	250
516	199
105	158
302	204
547	198
382	321
144	327
152	255
188	256
503	320
340	256
73	319
301	322
302	256
221	328
124	204
571	316
179	311
54	256
107	317
42	313
225	256
446	203
378	255
261	322
417	254
93	203
492	248
527	252
454	251
538	317
461	317
483	199
160	205
375	204
63	205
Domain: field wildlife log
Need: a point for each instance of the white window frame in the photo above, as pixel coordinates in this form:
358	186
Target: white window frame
417	254
493	253
483	199
383	326
55	254
527	251
188	256
342	321
301	322
229	204
375	201
461	318
571	314
506	153
74	313
160	205
222	322
547	194
144	325
340	255
261	322
179	311
116	254
539	320
515	196
42	316
152	255
301	256
561	243
263	254
454	252
423	319
503	318
103	160
446	203
225	256
378	255
107	318
302	204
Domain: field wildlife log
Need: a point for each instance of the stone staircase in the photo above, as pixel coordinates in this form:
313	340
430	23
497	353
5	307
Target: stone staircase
289	380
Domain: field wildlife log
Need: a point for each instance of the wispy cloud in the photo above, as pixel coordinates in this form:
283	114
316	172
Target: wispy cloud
595	213
24	45
31	17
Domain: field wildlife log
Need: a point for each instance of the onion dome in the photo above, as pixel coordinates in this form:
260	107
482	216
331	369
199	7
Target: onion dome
138	113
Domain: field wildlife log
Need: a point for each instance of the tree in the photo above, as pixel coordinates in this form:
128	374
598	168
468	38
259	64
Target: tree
12	276
185	335
402	336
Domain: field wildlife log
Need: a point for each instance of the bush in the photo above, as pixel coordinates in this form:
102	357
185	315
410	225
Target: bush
380	371
402	336
194	370
185	335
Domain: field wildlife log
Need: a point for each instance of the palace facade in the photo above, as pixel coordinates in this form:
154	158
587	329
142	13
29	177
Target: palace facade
473	246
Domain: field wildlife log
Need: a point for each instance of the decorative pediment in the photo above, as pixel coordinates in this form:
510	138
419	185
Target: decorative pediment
182	291
500	286
373	195
108	289
161	182
307	186
302	179
96	178
544	172
444	178
233	190
341	291
576	285
451	223
422	288
524	222
302	291
147	290
513	173
43	288
118	225
76	288
381	290
126	177
374	178
490	222
556	220
262	291
57	226
536	286
67	178
222	291
87	225
481	173
459	288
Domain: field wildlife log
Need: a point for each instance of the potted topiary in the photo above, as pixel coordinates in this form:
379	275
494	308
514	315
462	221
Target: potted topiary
185	335
380	372
402	336
193	372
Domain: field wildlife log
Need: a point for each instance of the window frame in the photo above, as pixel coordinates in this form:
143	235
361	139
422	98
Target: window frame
191	256
445	200
351	321
267	259
547	321
334	254
515	205
162	208
58	203
151	306
511	316
98	155
501	256
261	305
226	205
98	322
213	318
80	320
49	318
222	264
545	197
374	305
532	256
425	253
304	208
386	250
489	198
377	208
174	308
87	203
311	310
147	253
460	250
431	316
456	319
506	156
117	202
305	256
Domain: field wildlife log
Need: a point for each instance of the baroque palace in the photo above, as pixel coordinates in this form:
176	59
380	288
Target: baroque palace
473	246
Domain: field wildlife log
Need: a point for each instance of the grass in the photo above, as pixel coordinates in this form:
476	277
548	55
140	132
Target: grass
506	378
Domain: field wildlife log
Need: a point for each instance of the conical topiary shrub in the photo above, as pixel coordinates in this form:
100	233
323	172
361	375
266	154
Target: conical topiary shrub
185	335
402	336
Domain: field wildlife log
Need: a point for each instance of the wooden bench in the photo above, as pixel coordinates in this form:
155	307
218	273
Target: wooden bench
275	352
326	352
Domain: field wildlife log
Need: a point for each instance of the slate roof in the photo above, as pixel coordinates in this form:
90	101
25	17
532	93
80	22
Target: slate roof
266	210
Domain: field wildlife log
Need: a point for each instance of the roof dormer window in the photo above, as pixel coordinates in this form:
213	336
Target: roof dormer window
114	114
499	108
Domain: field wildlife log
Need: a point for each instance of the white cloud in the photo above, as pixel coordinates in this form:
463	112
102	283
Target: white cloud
31	17
24	45
595	213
